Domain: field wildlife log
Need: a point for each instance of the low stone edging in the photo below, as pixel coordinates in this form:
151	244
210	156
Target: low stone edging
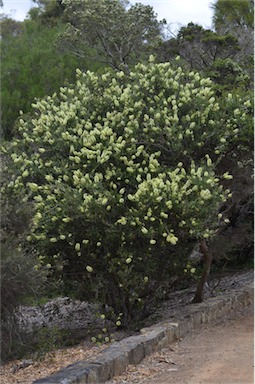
113	360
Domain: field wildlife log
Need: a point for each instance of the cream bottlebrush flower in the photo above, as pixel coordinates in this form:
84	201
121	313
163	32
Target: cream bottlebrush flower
172	239
49	178
205	194
25	173
209	161
66	219
77	247
33	186
227	176
122	221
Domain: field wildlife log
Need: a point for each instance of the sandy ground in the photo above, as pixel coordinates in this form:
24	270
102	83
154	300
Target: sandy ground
217	353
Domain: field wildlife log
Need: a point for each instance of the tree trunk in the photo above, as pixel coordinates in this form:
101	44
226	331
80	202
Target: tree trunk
207	258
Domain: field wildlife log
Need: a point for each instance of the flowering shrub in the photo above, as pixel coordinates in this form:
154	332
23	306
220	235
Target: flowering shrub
121	172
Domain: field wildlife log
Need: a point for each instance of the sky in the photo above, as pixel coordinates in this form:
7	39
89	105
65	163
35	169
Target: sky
176	12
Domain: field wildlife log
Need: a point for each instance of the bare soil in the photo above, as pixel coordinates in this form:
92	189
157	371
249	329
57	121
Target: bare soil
217	353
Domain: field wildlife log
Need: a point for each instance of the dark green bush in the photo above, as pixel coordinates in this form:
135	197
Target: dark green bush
19	279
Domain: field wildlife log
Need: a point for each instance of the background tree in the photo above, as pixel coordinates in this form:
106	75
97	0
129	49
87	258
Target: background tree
232	16
32	66
198	47
10	27
229	75
49	12
237	18
121	34
215	55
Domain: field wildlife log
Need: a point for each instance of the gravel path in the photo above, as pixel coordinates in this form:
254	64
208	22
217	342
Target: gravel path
217	353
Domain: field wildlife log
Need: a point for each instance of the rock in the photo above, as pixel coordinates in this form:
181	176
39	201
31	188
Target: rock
63	313
22	365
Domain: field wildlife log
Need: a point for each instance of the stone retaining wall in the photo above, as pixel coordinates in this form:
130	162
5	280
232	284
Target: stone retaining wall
113	360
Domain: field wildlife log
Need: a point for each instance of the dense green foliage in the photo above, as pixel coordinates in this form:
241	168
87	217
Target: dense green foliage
237	18
232	16
48	12
19	279
32	67
121	172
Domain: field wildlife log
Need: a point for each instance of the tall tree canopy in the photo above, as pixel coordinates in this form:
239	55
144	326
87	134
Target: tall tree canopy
219	56
48	11
120	33
237	17
231	16
199	47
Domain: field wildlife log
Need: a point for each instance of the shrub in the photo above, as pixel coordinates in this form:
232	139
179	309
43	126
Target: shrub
19	279
228	75
121	171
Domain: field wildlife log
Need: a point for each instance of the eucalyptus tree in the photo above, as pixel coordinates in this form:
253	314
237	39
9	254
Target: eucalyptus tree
121	34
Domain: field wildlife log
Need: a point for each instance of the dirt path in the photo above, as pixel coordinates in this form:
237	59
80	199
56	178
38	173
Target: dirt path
218	353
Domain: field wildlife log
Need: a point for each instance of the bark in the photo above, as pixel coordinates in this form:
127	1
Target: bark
207	258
